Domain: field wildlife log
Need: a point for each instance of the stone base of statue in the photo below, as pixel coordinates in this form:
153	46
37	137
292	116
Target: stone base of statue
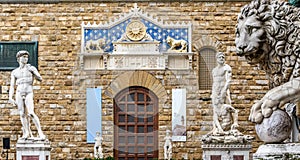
33	149
231	145
226	151
277	151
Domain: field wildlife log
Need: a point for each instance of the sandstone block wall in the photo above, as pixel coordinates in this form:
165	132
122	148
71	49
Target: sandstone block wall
60	98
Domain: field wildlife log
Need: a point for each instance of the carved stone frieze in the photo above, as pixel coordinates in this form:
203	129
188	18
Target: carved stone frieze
133	61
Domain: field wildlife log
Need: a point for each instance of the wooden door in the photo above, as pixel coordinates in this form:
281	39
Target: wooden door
135	124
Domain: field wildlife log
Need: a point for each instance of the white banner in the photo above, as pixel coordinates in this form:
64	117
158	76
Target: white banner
178	114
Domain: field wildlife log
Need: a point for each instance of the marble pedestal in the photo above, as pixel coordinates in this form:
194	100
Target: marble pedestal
33	149
277	151
226	151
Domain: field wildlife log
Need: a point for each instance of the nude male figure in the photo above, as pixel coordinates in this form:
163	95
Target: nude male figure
98	150
168	146
221	96
23	77
221	81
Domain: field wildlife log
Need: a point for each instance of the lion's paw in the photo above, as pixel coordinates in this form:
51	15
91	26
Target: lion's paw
262	109
267	112
268	107
256	115
258	118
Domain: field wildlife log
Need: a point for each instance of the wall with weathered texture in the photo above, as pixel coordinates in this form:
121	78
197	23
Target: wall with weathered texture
60	98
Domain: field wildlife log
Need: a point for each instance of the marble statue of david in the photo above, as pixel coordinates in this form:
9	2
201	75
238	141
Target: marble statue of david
22	77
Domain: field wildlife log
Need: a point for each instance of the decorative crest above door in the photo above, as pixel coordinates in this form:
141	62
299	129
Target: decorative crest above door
136	40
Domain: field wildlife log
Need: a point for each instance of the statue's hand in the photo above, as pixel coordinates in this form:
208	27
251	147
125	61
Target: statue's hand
13	102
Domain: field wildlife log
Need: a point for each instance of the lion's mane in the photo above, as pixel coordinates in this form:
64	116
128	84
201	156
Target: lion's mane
281	23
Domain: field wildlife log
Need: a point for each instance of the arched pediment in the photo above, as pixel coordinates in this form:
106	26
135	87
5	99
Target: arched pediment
207	42
137	78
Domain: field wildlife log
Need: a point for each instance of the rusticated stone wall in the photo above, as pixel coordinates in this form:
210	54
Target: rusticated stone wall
60	98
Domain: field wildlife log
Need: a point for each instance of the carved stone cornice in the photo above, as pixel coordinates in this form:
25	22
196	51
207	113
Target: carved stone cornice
227	146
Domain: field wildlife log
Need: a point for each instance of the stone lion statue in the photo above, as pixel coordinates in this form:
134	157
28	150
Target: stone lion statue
268	35
95	45
176	45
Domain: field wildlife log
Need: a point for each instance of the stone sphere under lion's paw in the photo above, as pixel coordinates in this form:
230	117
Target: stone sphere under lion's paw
276	128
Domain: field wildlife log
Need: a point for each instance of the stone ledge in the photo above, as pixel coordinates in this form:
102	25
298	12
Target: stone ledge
37	145
278	149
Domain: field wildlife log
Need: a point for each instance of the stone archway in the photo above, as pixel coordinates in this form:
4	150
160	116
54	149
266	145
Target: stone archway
207	42
137	78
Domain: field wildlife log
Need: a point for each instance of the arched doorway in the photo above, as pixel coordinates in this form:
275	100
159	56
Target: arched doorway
135	124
